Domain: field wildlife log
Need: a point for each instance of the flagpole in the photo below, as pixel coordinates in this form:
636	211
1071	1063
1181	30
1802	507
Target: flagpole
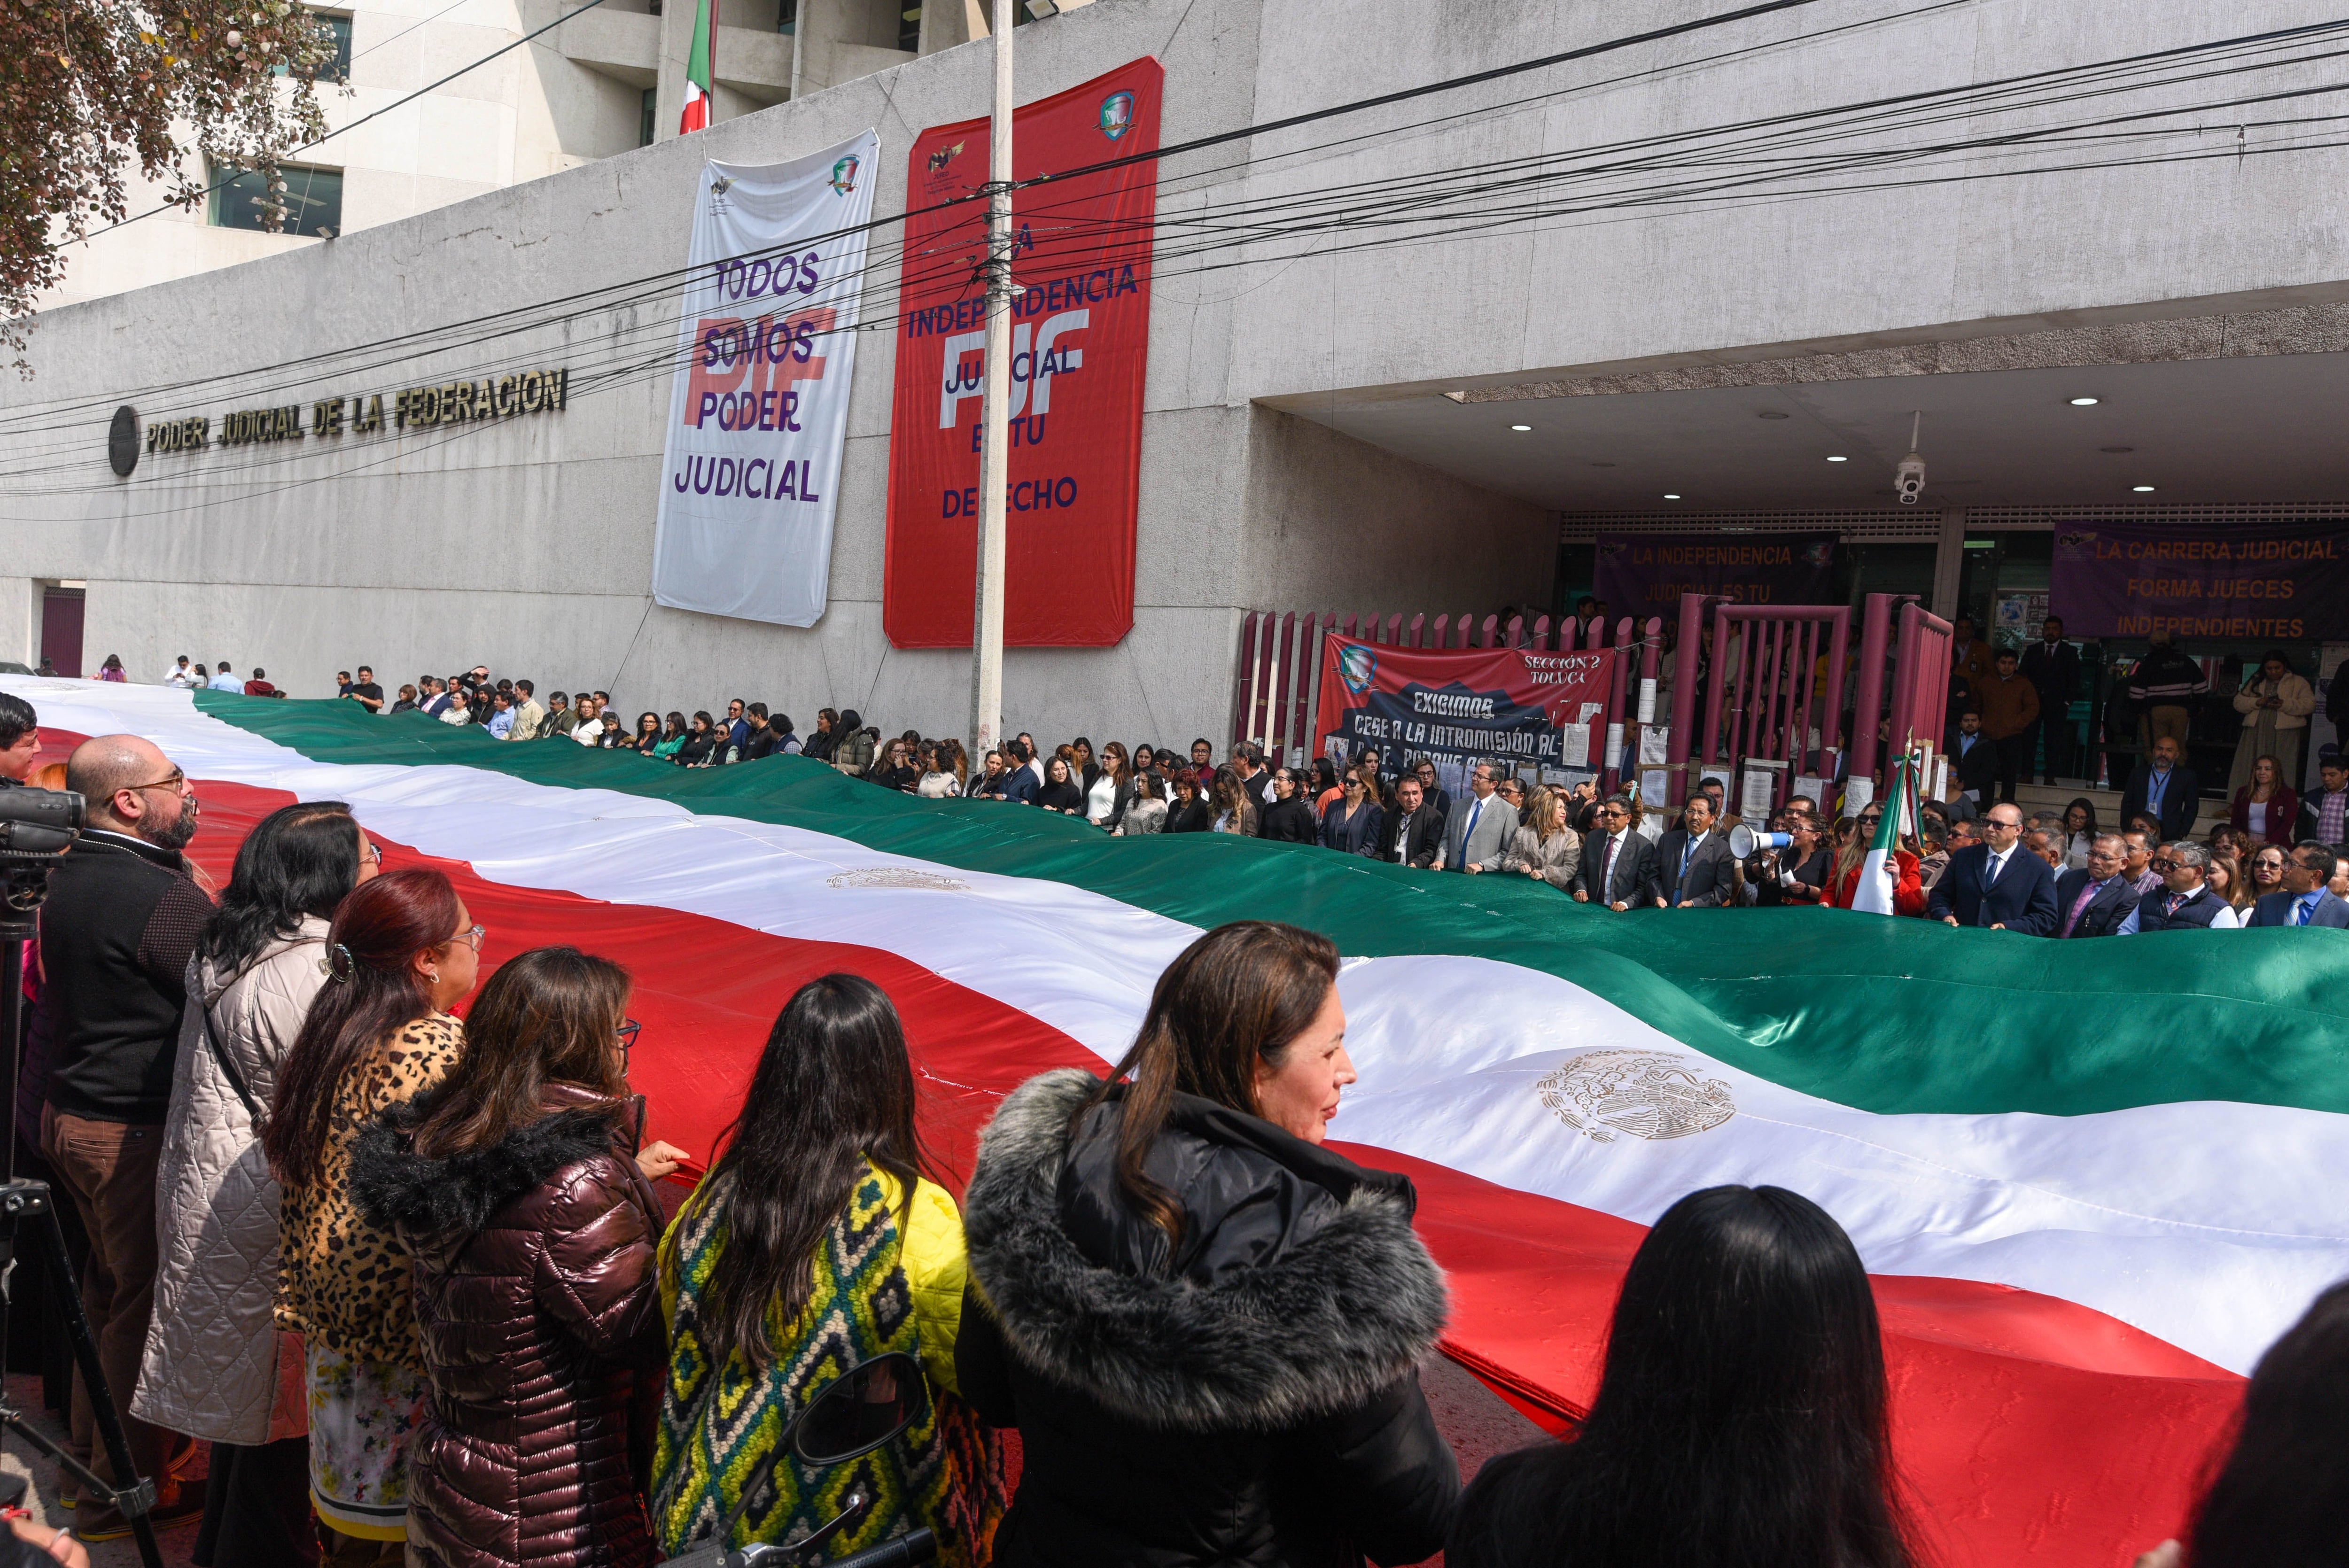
995	416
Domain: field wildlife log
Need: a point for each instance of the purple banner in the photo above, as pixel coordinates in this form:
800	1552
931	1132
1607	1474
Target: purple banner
2242	581
1645	574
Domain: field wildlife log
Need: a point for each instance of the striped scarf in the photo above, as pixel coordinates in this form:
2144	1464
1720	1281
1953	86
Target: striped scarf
718	1423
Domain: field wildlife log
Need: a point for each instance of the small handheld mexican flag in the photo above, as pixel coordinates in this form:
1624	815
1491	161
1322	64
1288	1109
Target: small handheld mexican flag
697	72
1880	873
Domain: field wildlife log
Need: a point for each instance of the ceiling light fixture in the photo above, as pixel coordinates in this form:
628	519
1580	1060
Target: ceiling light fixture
1771	414
1838	460
1521	428
2085	402
2116	450
2142	489
1671	495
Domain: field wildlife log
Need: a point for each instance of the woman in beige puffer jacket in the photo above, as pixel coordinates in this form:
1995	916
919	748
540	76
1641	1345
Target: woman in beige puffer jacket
216	1367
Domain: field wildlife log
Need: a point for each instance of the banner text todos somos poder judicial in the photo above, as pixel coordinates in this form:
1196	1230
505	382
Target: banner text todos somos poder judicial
759	412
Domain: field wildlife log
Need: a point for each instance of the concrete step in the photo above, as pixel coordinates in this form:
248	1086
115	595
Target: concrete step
2034	797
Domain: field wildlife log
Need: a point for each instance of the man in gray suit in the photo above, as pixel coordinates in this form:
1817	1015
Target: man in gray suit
1479	828
1694	861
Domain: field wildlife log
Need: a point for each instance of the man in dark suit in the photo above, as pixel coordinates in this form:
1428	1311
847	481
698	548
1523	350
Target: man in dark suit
1618	864
2052	666
1997	883
1974	759
2166	789
2093	903
1694	861
2305	900
1414	831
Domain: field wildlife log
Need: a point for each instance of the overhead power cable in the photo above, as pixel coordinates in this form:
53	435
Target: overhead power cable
1358	106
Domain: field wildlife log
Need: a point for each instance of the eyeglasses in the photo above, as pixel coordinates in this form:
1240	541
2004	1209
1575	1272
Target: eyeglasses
471	936
175	779
374	852
629	1027
2163	865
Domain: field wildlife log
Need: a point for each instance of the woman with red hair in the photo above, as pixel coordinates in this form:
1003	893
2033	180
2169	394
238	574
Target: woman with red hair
403	950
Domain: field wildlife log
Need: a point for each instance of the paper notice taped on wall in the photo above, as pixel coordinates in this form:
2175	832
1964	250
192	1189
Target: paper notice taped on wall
1655	745
1574	745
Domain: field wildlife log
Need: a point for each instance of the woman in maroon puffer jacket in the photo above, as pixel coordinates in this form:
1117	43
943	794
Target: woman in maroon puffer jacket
517	1188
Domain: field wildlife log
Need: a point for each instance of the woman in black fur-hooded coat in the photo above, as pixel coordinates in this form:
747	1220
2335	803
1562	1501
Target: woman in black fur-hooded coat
1206	1326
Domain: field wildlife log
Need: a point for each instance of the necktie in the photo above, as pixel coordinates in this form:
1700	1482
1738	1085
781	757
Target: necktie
1688	854
2300	912
2079	905
1469	832
1607	871
2176	901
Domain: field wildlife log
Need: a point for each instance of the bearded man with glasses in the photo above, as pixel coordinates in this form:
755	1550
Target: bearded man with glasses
122	918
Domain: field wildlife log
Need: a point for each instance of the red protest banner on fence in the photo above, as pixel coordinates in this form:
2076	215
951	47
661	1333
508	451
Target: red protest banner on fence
1079	343
1509	706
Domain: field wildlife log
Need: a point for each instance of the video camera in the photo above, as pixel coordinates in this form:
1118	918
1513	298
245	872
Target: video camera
36	827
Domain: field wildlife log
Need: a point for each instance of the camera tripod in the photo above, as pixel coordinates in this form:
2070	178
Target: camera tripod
31	1200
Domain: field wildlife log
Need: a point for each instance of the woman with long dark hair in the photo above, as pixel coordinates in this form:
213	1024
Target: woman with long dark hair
701	741
216	1366
1145	811
2080	831
1060	791
820	1222
518	1189
648	732
1218	1322
403	950
820	745
1740	1421
2275	1502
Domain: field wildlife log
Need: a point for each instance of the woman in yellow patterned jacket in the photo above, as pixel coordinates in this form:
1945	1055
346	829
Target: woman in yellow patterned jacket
818	1241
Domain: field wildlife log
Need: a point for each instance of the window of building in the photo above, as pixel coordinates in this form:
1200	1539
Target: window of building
337	69
645	125
313	199
787	16
909	26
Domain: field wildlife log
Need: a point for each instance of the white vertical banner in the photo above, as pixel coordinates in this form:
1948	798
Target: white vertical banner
759	410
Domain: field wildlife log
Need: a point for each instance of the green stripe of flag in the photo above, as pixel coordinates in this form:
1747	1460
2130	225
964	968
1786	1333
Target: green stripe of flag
1885	1015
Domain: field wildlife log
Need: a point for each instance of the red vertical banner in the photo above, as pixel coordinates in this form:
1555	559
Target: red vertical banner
1080	344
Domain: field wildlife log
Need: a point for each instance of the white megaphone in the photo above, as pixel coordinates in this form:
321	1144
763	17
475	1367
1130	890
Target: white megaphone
1743	842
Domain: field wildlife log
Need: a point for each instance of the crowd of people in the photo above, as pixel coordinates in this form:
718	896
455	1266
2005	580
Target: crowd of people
421	1284
2278	858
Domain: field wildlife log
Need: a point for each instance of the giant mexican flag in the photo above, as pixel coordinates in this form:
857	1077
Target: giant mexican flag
2092	1183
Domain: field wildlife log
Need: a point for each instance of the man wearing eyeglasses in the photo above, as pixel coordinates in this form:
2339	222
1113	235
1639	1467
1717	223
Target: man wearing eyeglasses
1619	866
122	917
1997	883
2184	902
2307	898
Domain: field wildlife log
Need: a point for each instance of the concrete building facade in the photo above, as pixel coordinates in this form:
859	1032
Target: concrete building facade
1598	303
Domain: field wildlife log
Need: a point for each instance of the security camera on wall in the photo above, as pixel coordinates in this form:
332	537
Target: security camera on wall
1909	474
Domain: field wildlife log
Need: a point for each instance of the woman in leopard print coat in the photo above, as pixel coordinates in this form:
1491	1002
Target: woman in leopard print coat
403	951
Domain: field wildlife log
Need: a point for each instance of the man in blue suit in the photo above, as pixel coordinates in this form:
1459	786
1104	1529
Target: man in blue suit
2305	900
1998	882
